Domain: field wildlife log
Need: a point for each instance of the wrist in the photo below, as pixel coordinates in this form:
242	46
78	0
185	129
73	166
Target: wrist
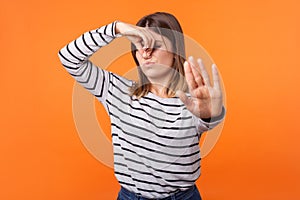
118	27
215	117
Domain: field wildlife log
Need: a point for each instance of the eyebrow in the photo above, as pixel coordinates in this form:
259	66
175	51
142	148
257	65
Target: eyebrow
159	41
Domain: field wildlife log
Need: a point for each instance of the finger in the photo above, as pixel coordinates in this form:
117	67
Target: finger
216	78
152	41
148	42
196	72
151	38
204	73
148	50
139	47
184	98
145	40
189	76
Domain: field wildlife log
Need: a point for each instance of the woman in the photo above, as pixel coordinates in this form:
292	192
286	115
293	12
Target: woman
156	122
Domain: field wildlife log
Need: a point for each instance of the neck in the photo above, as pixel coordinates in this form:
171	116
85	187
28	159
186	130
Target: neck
159	90
159	85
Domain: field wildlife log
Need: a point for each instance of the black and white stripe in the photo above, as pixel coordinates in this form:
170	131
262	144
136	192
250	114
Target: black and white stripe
155	140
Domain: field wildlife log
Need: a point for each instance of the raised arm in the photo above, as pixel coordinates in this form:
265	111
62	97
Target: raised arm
74	57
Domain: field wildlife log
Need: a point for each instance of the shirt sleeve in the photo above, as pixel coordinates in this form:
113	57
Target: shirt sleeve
74	58
203	125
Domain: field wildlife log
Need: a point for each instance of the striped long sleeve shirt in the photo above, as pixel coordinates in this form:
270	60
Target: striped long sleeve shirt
155	140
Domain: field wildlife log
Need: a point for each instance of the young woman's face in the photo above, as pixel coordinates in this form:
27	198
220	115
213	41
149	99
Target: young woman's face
156	63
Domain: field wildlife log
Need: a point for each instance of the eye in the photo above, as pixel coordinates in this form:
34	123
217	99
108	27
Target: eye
156	46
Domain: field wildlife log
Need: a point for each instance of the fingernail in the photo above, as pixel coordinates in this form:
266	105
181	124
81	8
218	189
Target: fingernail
191	58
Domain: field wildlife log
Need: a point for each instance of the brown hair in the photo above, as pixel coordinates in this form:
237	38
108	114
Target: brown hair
167	25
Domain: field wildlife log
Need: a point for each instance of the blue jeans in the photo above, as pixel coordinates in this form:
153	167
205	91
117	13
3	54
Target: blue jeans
189	194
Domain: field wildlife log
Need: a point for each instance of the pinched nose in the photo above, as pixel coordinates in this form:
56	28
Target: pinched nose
146	53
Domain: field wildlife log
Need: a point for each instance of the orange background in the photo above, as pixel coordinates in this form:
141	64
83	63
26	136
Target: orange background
255	45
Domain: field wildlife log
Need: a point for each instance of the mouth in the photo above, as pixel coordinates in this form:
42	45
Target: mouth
148	63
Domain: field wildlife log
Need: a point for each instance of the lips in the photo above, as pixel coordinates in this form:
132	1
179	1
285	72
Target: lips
148	63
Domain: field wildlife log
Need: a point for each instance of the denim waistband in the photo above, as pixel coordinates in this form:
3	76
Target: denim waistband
176	196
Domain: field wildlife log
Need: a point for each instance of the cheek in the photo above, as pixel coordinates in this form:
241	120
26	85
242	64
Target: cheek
167	58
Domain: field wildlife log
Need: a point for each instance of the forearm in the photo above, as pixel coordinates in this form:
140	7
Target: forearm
75	54
74	57
118	27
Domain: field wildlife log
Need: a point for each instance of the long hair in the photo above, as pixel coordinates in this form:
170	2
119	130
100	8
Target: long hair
167	25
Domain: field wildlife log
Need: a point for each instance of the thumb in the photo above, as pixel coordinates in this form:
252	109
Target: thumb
183	97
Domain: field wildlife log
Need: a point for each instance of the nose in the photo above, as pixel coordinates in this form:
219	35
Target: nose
146	53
